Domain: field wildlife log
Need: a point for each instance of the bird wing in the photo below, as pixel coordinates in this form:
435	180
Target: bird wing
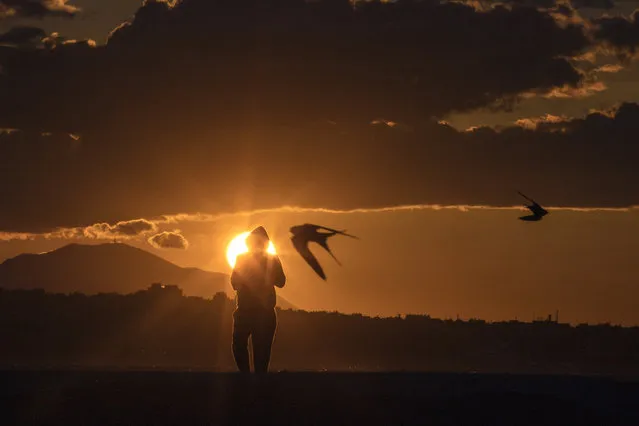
531	218
335	231
526	197
301	245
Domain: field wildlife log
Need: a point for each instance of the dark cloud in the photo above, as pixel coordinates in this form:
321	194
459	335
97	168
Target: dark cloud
619	33
292	61
543	4
20	35
212	106
560	6
169	240
36	8
616	125
593	4
585	162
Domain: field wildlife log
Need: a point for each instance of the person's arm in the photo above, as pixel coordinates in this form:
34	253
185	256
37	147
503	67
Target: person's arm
277	273
234	280
236	277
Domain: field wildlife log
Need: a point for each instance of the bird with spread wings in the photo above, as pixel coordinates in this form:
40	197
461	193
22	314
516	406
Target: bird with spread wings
538	212
307	233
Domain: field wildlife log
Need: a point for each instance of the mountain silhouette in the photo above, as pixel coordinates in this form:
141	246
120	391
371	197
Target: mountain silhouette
108	268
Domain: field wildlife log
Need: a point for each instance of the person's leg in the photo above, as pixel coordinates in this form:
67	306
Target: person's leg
263	341
241	333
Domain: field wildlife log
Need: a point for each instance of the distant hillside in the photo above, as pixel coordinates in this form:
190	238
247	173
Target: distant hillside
107	268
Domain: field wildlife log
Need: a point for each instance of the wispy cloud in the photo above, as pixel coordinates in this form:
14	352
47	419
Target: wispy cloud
583	91
204	217
609	68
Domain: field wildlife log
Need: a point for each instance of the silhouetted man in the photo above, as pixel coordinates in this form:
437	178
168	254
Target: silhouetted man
255	276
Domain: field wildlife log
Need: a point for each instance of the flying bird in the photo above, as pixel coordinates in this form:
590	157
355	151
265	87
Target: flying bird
538	212
306	233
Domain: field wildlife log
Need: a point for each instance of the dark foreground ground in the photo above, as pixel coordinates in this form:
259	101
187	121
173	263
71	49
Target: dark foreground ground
172	398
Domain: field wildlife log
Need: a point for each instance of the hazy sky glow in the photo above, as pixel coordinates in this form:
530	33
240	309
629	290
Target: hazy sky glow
175	126
476	263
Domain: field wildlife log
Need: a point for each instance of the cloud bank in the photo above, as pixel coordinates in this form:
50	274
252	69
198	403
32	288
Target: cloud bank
218	106
570	162
291	61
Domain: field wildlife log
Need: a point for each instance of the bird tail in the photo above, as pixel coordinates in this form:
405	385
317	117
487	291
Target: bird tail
343	232
337	231
324	243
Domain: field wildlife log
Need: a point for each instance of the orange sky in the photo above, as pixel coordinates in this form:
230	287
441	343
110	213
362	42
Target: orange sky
480	263
281	122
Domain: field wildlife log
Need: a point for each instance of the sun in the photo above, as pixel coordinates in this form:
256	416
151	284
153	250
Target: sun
238	246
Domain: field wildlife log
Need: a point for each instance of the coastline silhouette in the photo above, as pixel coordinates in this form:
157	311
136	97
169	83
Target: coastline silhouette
161	329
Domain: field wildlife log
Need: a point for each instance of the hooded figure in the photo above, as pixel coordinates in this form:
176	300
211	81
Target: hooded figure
254	278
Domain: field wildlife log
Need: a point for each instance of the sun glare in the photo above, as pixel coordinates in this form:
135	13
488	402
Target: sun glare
238	246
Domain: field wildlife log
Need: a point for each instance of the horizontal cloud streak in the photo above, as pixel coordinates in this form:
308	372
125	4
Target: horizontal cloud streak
168	238
80	233
204	217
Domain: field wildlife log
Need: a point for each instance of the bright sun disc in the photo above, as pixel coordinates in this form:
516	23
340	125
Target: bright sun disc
238	246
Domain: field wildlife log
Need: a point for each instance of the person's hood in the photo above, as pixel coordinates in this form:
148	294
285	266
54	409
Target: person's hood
260	231
257	238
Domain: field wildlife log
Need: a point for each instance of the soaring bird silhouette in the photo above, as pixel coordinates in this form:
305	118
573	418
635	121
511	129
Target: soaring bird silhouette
538	212
306	233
